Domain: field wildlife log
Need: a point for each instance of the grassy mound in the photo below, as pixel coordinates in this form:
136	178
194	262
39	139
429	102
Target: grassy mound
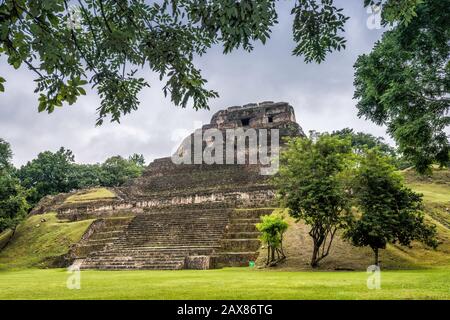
39	240
91	195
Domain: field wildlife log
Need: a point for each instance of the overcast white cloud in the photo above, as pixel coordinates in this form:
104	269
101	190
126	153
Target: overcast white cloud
321	95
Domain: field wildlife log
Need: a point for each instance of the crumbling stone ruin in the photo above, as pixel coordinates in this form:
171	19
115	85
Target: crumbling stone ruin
176	216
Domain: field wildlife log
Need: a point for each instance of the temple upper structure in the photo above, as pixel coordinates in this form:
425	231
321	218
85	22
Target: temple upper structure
264	115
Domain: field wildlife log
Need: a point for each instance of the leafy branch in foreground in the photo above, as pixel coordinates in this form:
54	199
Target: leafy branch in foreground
404	83
106	42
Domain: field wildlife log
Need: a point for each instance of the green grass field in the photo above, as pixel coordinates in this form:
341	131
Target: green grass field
232	283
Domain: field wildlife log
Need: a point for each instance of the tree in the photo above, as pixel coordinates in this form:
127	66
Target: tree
311	183
138	159
105	43
13	203
50	173
86	175
117	170
390	212
361	141
272	228
5	155
404	83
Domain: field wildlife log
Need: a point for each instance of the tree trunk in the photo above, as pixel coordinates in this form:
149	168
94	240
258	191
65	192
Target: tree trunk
314	262
272	256
10	238
375	250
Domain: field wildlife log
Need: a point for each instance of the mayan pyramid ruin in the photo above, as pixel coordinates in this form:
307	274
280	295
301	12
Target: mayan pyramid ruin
193	215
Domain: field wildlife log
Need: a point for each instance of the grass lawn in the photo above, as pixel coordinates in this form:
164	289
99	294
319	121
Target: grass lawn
230	283
91	195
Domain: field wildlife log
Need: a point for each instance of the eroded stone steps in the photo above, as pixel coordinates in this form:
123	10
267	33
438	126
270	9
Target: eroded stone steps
242	235
235	259
160	240
163	240
240	245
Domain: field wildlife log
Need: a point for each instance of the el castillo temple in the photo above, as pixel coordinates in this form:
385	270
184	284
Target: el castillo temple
181	216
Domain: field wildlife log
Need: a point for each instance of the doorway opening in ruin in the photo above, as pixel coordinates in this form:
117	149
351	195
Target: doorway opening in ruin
270	119
245	122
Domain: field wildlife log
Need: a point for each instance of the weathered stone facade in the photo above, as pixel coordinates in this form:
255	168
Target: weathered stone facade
176	216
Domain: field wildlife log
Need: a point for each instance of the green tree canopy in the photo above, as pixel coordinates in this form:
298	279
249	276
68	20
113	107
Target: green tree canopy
49	173
361	140
312	184
13	203
390	212
5	155
85	175
404	83
105	43
138	159
117	170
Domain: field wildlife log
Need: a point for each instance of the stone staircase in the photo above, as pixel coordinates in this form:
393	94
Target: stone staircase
240	243
170	240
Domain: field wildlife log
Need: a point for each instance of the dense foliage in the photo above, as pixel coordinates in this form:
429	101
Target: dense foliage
390	212
117	170
312	184
404	83
49	173
13	203
361	141
272	228
56	172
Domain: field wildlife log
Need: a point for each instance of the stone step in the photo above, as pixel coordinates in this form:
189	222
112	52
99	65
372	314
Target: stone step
163	240
250	213
160	248
242	227
240	245
106	235
133	259
242	235
244	220
235	259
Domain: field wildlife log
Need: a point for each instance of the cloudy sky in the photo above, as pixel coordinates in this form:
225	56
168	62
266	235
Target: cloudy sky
321	95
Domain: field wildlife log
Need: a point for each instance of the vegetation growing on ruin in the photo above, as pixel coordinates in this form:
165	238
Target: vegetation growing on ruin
40	240
90	195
